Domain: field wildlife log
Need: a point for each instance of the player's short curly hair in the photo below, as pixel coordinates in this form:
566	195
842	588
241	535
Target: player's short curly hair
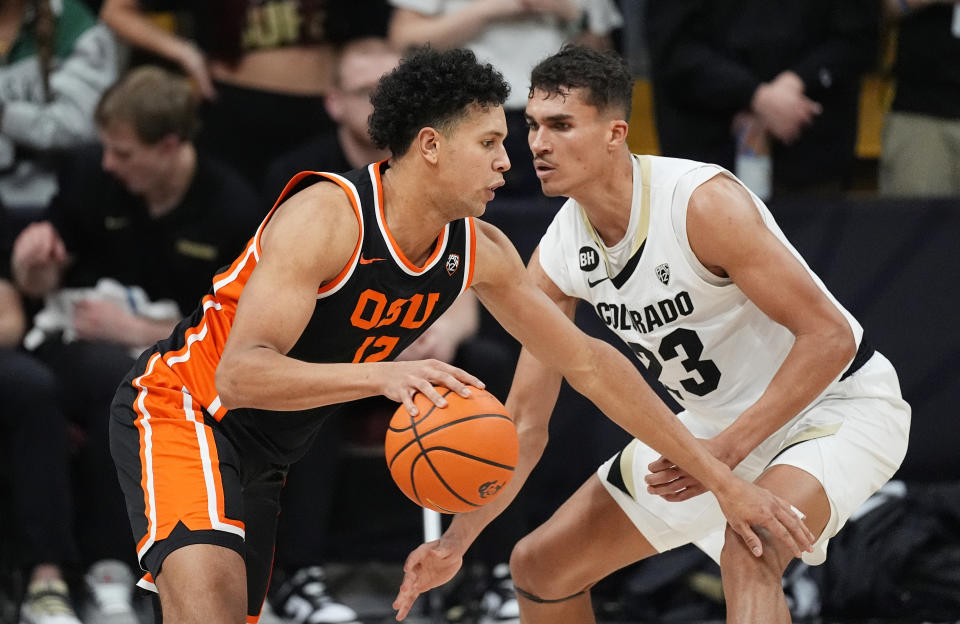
430	88
603	75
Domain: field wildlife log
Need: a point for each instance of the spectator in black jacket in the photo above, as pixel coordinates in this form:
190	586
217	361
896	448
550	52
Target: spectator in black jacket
776	71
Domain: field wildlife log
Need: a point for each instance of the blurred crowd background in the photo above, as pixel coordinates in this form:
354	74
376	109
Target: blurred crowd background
142	142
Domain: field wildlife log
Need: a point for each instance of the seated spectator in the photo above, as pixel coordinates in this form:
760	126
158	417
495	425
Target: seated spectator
921	134
56	61
359	67
263	66
512	35
34	432
139	225
781	78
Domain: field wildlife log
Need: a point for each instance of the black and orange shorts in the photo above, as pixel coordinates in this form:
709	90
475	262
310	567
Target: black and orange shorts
185	482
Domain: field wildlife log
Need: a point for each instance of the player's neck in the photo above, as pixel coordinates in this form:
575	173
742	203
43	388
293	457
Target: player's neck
413	220
607	200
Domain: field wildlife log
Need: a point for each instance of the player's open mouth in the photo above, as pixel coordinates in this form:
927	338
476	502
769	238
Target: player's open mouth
543	169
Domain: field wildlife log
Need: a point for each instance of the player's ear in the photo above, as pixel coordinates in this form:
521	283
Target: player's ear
617	132
427	144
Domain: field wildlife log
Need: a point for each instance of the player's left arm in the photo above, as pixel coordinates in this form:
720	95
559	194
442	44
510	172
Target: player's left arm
729	237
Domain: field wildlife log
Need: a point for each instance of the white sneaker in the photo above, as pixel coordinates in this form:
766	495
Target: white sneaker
304	600
499	602
47	602
111	594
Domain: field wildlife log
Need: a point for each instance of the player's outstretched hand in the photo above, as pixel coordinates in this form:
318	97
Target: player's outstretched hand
429	566
749	508
400	381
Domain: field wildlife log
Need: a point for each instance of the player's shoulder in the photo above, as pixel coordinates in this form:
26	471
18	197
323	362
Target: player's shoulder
319	203
721	198
496	256
490	237
318	216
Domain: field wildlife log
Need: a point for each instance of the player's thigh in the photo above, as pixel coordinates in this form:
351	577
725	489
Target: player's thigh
802	490
203	584
858	452
586	539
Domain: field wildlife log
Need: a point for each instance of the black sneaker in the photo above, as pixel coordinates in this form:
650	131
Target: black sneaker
303	599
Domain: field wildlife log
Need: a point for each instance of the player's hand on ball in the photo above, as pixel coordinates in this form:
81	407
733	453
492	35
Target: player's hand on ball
429	566
400	381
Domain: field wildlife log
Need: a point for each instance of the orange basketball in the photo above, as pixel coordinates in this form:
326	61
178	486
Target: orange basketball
455	458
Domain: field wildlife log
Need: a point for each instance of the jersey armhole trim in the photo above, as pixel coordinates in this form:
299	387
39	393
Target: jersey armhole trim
471	249
678	222
337	283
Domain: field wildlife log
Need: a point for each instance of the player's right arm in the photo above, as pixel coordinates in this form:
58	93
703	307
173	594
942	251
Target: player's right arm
306	244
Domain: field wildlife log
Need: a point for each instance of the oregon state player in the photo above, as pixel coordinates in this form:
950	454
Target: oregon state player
370	311
342	275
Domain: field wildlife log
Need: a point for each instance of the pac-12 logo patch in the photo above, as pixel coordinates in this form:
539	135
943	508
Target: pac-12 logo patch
663	273
589	258
453	263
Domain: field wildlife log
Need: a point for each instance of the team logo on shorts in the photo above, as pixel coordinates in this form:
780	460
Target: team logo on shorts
453	263
663	273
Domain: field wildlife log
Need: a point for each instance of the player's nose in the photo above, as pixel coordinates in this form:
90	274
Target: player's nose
538	141
502	162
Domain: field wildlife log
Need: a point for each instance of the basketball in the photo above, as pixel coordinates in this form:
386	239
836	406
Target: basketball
456	458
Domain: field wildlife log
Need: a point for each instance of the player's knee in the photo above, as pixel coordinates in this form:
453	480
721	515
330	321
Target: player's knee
213	607
203	584
737	561
526	568
523	562
536	580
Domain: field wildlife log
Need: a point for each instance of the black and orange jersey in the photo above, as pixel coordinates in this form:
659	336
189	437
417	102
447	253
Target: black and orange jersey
377	306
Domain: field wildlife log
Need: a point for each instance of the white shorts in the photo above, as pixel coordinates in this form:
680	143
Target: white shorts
852	440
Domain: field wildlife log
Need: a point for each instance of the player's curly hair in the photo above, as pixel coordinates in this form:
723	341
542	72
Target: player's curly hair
430	88
603	75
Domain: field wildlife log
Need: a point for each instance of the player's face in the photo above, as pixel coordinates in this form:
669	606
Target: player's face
138	165
473	158
568	139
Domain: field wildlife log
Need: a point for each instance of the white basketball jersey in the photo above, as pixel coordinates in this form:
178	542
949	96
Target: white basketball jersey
696	332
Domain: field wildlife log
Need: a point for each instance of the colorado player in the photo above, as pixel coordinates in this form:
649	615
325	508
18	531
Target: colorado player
691	271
